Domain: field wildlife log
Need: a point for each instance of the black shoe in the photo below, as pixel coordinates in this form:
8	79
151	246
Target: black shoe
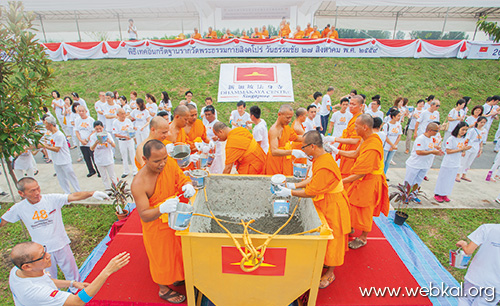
90	174
124	175
98	175
387	179
3	193
55	174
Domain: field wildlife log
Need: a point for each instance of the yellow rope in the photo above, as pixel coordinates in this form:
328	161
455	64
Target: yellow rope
251	254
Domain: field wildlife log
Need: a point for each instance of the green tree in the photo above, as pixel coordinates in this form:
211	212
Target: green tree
489	27
24	78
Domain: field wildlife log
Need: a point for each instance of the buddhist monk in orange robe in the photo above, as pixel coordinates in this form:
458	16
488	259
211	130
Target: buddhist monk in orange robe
264	33
279	157
299	34
241	150
367	185
350	140
195	129
211	34
327	190
315	33
154	189
308	30
285	32
244	34
158	129
333	34
326	31
196	34
256	33
299	129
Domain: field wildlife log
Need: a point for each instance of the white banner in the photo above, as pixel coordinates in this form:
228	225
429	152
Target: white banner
255	82
483	51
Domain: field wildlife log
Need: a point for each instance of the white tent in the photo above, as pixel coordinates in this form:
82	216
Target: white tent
90	20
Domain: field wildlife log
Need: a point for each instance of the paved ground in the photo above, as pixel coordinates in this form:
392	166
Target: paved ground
477	194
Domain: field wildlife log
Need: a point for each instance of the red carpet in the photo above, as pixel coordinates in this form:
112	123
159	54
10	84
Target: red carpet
376	264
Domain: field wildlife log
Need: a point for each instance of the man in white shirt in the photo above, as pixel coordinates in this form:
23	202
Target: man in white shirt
30	285
318	98
429	115
99	105
61	157
76	98
189	96
219	155
84	126
483	273
374	111
239	117
110	109
340	119
310	123
208	101
121	128
42	216
132	30
325	109
422	154
260	128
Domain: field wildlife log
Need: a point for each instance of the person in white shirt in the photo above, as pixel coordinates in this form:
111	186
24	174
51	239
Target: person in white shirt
393	131
123	103
374	110
31	285
377	124
109	110
218	163
151	105
208	101
260	129
318	98
428	100
414	115
325	109
124	130
455	148
67	129
429	115
132	30
61	157
189	96
455	115
141	119
42	216
72	128
475	138
421	157
166	105
24	164
102	144
475	113
483	274
98	105
490	110
340	119
239	117
133	98
58	106
76	98
84	127
310	123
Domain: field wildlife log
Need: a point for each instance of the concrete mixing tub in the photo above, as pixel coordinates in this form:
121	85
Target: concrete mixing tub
291	266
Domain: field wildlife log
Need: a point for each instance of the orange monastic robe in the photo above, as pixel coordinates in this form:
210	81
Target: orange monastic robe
308	31
331	199
368	196
196	36
325	32
334	34
265	34
298	145
315	34
212	35
349	132
299	35
286	31
198	130
281	164
163	247
244	152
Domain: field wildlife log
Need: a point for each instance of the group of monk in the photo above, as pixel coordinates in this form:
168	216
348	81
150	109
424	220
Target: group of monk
309	32
339	193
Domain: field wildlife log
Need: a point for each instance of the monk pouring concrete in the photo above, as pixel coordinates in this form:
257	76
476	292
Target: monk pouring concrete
279	158
366	184
241	150
350	140
195	129
327	190
158	129
155	189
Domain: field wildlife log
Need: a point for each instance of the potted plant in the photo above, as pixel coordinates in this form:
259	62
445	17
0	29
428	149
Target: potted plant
120	195
403	195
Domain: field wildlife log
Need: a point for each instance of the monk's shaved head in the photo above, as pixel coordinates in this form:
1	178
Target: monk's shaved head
191	107
300	112
158	122
181	110
150	146
22	253
432	126
365	120
219	126
313	137
285	108
358	99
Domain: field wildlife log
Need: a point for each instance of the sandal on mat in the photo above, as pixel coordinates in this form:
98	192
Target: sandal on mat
466	179
179	283
328	282
171	294
356	243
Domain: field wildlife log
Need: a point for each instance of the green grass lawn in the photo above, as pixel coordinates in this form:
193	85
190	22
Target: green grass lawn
447	79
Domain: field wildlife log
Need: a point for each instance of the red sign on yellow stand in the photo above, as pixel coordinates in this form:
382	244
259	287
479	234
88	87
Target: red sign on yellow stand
273	264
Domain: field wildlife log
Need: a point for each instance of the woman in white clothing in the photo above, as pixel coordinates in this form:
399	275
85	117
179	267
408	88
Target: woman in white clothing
456	147
141	118
165	104
475	138
456	115
476	112
72	118
393	131
103	155
58	105
414	115
67	116
151	105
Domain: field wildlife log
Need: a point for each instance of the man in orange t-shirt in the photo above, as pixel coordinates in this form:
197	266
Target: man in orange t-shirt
158	129
366	184
279	158
155	189
241	150
326	189
326	31
211	34
196	34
